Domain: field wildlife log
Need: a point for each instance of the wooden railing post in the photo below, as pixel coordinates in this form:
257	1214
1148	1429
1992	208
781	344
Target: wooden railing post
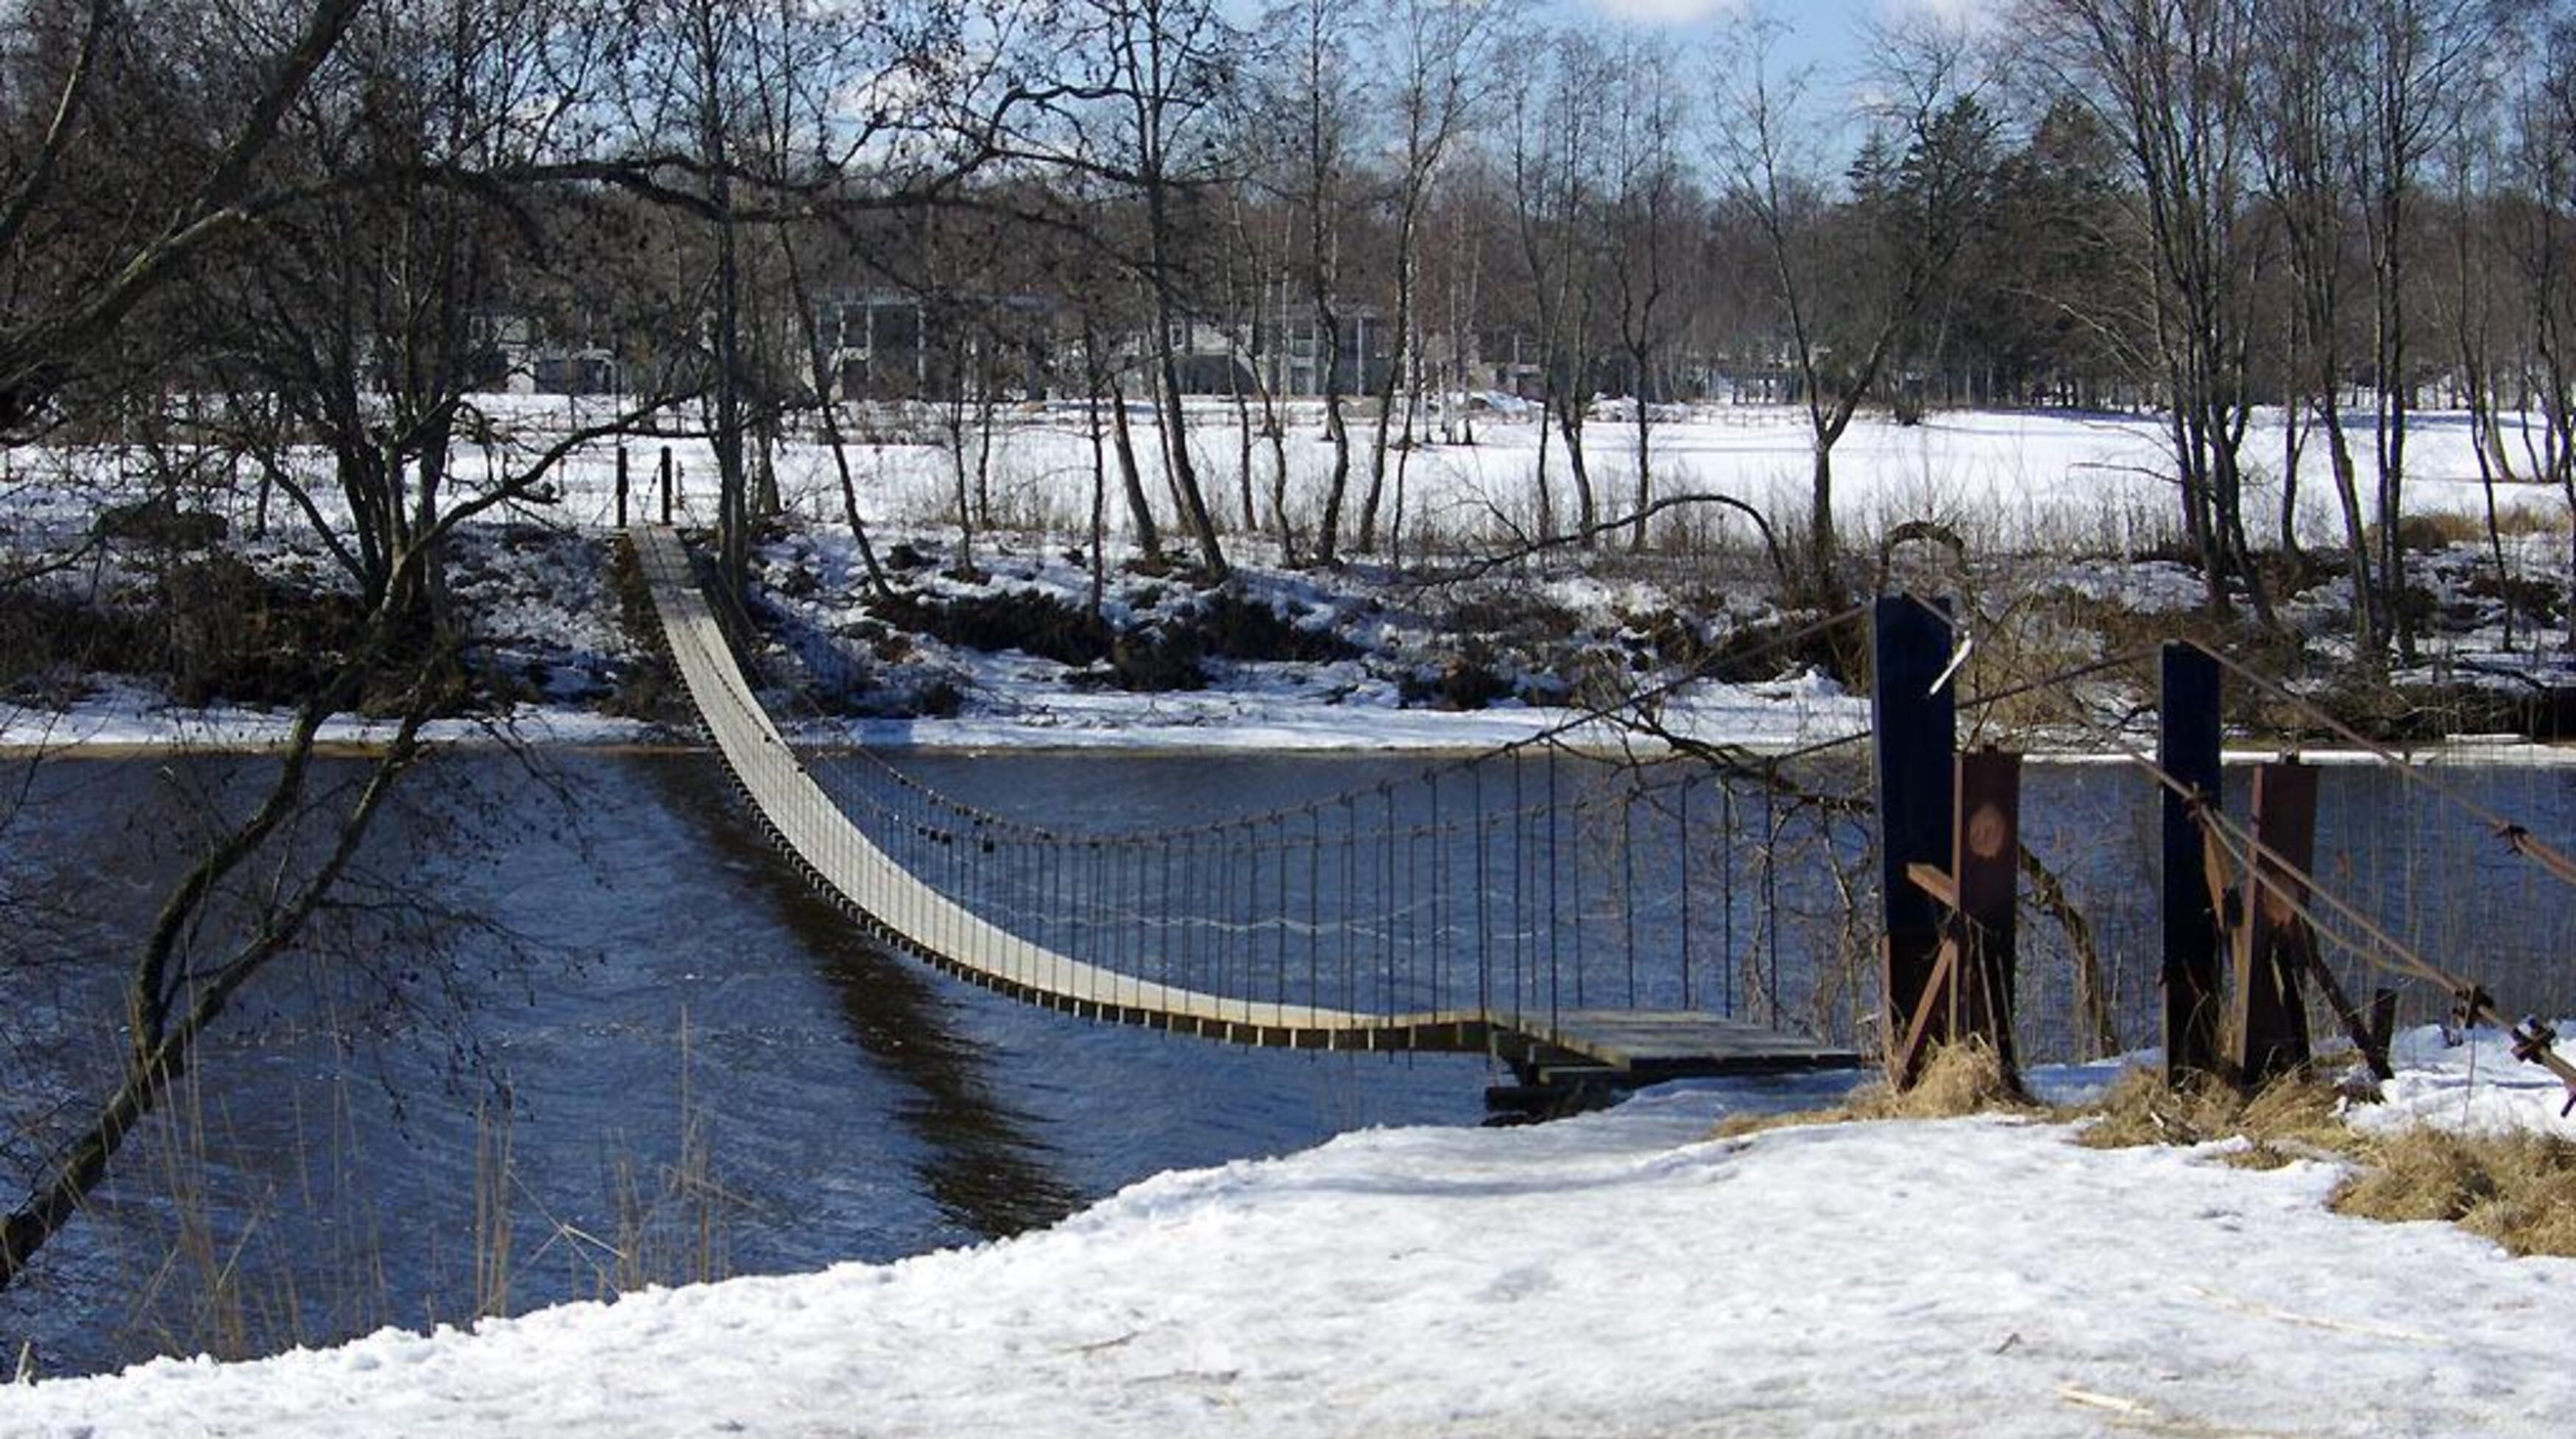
666	484
621	487
2187	745
2274	944
1915	724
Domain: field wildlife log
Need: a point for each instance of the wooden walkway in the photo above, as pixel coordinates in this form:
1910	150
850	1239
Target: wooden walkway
1644	1046
847	867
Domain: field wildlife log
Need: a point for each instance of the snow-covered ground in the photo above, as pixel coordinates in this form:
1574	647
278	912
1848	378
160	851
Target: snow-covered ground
2024	480
2059	510
1617	1274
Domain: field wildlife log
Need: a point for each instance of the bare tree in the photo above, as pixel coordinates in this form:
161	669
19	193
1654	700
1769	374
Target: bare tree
1157	69
2307	134
2172	82
87	285
1556	137
1311	98
1919	187
2421	59
1647	203
2541	236
1438	68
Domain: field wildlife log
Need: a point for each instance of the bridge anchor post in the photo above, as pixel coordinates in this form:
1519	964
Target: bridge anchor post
2274	945
1914	722
1970	994
2187	750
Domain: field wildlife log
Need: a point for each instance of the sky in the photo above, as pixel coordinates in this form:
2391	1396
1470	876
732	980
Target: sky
1821	33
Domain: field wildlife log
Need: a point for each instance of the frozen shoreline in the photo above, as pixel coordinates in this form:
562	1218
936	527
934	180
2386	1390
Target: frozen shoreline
1618	1274
1324	730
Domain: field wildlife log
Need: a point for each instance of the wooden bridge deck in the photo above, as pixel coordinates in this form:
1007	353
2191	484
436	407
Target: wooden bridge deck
849	868
1645	1046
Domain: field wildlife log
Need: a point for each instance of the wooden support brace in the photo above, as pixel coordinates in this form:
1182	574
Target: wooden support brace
1969	991
1908	1056
2275	947
1986	839
2362	1029
2383	1029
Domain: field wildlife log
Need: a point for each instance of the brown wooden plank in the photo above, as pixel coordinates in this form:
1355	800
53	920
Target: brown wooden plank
1932	880
1987	870
2274	944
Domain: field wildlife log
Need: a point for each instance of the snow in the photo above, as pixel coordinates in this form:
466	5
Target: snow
1618	1274
1622	1273
2077	501
123	716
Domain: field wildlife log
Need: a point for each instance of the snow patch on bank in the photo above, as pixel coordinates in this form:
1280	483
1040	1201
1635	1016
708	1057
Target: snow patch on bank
1617	1274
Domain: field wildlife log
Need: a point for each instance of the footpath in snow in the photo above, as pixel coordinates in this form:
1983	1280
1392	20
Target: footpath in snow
1617	1274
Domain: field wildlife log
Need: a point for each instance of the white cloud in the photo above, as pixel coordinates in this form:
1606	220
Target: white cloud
1665	12
1975	16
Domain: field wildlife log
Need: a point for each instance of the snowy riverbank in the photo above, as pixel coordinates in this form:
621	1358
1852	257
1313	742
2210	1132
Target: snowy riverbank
1617	1274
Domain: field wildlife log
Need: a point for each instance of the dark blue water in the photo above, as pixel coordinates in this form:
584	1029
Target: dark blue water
578	1031
620	1046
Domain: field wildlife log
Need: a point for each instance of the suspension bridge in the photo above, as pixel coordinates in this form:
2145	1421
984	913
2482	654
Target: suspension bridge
1603	921
1378	919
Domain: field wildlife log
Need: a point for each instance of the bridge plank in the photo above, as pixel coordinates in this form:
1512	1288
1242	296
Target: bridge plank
1675	1043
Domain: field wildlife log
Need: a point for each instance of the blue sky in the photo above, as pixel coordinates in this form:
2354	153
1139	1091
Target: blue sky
1824	33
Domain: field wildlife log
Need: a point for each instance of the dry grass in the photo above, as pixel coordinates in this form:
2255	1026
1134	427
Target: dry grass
2444	529
2516	1189
1958	1079
2295	1116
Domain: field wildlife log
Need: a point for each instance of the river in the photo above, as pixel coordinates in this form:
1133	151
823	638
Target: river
579	1031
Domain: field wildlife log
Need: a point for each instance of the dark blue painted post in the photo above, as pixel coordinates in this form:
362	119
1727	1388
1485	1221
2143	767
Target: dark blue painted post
1915	723
2187	750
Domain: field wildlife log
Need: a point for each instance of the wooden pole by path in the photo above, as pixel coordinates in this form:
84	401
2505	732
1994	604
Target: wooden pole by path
621	487
666	484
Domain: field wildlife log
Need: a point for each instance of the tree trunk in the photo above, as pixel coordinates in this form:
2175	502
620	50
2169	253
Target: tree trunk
1140	512
1645	467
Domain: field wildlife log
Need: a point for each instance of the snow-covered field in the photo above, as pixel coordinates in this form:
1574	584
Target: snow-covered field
2049	504
2019	480
1617	1274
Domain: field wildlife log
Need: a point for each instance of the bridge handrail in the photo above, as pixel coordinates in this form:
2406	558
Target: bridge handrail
815	830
